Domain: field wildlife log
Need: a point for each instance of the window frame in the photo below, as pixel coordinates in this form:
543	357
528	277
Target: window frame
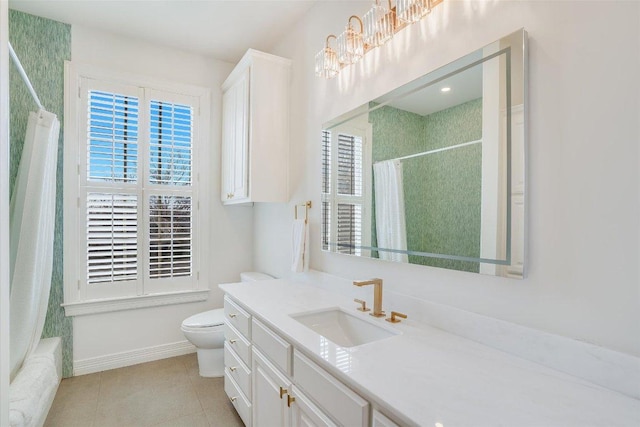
142	292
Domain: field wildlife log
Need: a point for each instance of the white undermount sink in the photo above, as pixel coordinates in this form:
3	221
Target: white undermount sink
343	328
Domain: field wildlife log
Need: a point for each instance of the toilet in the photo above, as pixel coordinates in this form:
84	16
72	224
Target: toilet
206	332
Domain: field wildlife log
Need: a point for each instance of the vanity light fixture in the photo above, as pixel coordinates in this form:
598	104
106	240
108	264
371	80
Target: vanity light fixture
351	43
377	27
327	64
379	24
445	89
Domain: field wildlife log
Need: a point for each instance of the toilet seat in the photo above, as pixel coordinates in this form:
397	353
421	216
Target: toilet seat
207	319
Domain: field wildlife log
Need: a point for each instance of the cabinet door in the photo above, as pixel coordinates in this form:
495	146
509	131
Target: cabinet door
235	141
379	420
305	414
270	406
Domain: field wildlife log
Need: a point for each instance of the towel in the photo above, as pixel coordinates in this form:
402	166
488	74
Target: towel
300	246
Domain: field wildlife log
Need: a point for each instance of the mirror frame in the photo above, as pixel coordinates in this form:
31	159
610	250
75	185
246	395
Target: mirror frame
513	46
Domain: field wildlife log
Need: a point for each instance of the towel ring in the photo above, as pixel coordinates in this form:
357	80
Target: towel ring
306	205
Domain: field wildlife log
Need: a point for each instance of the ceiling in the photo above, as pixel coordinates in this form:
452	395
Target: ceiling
220	29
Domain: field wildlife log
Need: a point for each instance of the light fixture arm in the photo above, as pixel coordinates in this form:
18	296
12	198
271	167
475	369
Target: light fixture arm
328	37
359	20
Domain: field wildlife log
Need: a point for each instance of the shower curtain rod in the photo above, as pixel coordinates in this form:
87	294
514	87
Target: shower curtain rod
24	76
437	150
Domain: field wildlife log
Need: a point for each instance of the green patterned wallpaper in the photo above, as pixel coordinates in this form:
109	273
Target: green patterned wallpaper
443	189
42	46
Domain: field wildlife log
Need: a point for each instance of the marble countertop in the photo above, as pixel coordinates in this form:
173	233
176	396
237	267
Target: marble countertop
425	375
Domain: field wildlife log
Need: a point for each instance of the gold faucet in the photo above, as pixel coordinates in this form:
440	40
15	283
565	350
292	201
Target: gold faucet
377	295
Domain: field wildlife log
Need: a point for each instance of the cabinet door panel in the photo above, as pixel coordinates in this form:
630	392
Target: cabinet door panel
269	409
235	141
305	414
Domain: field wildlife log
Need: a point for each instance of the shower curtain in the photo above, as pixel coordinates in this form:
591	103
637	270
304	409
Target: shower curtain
391	230
32	222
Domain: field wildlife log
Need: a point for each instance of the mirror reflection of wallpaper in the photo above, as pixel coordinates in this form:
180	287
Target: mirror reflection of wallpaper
442	190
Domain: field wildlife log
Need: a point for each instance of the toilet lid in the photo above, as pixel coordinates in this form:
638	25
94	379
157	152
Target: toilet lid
205	319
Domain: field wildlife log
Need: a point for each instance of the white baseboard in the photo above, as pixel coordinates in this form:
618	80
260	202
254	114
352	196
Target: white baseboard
133	357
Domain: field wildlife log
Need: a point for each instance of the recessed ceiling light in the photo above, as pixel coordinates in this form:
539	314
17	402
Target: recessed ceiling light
445	89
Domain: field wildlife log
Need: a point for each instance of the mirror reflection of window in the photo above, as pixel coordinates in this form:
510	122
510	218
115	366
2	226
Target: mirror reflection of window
347	198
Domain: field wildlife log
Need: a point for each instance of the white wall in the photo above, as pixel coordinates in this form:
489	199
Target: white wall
583	159
4	214
231	228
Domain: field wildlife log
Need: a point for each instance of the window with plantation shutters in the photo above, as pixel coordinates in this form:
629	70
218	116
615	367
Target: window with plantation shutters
137	190
346	199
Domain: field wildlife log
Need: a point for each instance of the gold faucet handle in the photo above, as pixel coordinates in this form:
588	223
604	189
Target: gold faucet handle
395	314
363	305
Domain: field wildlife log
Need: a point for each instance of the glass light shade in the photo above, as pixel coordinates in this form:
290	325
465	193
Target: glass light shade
350	46
410	11
327	64
379	23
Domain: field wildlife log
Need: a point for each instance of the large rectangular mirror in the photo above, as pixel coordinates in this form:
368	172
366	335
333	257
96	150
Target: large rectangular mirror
433	172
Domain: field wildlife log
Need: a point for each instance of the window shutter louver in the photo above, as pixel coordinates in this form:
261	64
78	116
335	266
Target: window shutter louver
349	228
326	189
170	236
170	146
112	137
349	215
112	237
349	165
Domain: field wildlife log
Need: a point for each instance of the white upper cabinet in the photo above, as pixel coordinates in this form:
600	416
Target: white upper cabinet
255	130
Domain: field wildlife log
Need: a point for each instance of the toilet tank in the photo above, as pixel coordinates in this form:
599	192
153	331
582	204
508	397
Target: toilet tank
252	276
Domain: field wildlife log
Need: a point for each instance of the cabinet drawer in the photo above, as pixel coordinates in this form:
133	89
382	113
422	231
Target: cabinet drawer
345	406
237	317
274	347
237	370
238	343
240	402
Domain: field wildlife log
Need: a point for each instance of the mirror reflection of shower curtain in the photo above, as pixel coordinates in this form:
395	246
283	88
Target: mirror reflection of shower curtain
391	229
32	223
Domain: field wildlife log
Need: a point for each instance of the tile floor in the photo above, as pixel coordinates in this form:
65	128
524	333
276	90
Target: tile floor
164	393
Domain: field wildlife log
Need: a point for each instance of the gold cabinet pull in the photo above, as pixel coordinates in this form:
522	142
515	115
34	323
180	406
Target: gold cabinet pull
395	314
290	400
233	341
363	305
283	391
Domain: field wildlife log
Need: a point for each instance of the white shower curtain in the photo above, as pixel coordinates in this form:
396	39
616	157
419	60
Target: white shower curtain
32	222
391	230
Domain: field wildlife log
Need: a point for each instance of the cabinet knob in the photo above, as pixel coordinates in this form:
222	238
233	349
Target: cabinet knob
233	368
233	399
232	315
233	341
283	391
290	400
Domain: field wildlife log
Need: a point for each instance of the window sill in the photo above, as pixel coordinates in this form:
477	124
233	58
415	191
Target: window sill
132	303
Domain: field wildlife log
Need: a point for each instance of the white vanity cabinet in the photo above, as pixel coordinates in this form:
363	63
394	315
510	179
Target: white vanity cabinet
255	130
272	384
